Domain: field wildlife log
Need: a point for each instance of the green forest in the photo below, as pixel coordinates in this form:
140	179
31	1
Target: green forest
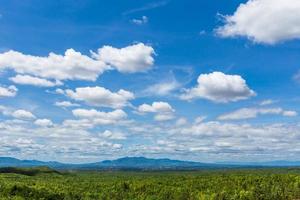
245	184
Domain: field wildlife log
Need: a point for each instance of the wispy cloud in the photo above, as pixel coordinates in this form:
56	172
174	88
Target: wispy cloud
149	6
162	88
141	21
267	102
296	77
250	113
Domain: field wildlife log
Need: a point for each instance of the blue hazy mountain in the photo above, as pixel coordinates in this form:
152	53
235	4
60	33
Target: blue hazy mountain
276	163
122	163
13	162
140	163
148	163
8	161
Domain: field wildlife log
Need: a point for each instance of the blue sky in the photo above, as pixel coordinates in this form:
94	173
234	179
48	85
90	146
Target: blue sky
84	81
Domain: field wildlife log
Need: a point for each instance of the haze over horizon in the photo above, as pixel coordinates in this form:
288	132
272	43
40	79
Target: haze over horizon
205	81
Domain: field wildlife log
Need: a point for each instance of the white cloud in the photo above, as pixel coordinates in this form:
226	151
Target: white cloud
143	20
72	65
289	113
131	59
59	91
248	113
163	110
267	102
164	116
43	122
219	87
219	141
162	89
210	140
158	107
21	139
65	104
264	21
181	121
199	120
75	66
241	137
100	118
23	114
101	97
112	135
10	91
30	80
78	124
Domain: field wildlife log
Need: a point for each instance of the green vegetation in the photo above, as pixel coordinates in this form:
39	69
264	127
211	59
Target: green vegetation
28	171
251	184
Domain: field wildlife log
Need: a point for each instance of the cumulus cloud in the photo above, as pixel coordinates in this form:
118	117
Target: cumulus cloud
209	140
248	113
156	107
101	97
230	138
143	20
131	59
59	91
100	118
223	140
43	122
112	135
264	21
10	91
30	80
23	114
163	110
73	65
23	140
220	88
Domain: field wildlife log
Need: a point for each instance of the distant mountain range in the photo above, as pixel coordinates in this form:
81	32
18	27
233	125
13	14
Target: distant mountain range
140	163
276	163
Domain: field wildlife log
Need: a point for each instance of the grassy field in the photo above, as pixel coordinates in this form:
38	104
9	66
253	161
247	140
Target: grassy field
256	184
